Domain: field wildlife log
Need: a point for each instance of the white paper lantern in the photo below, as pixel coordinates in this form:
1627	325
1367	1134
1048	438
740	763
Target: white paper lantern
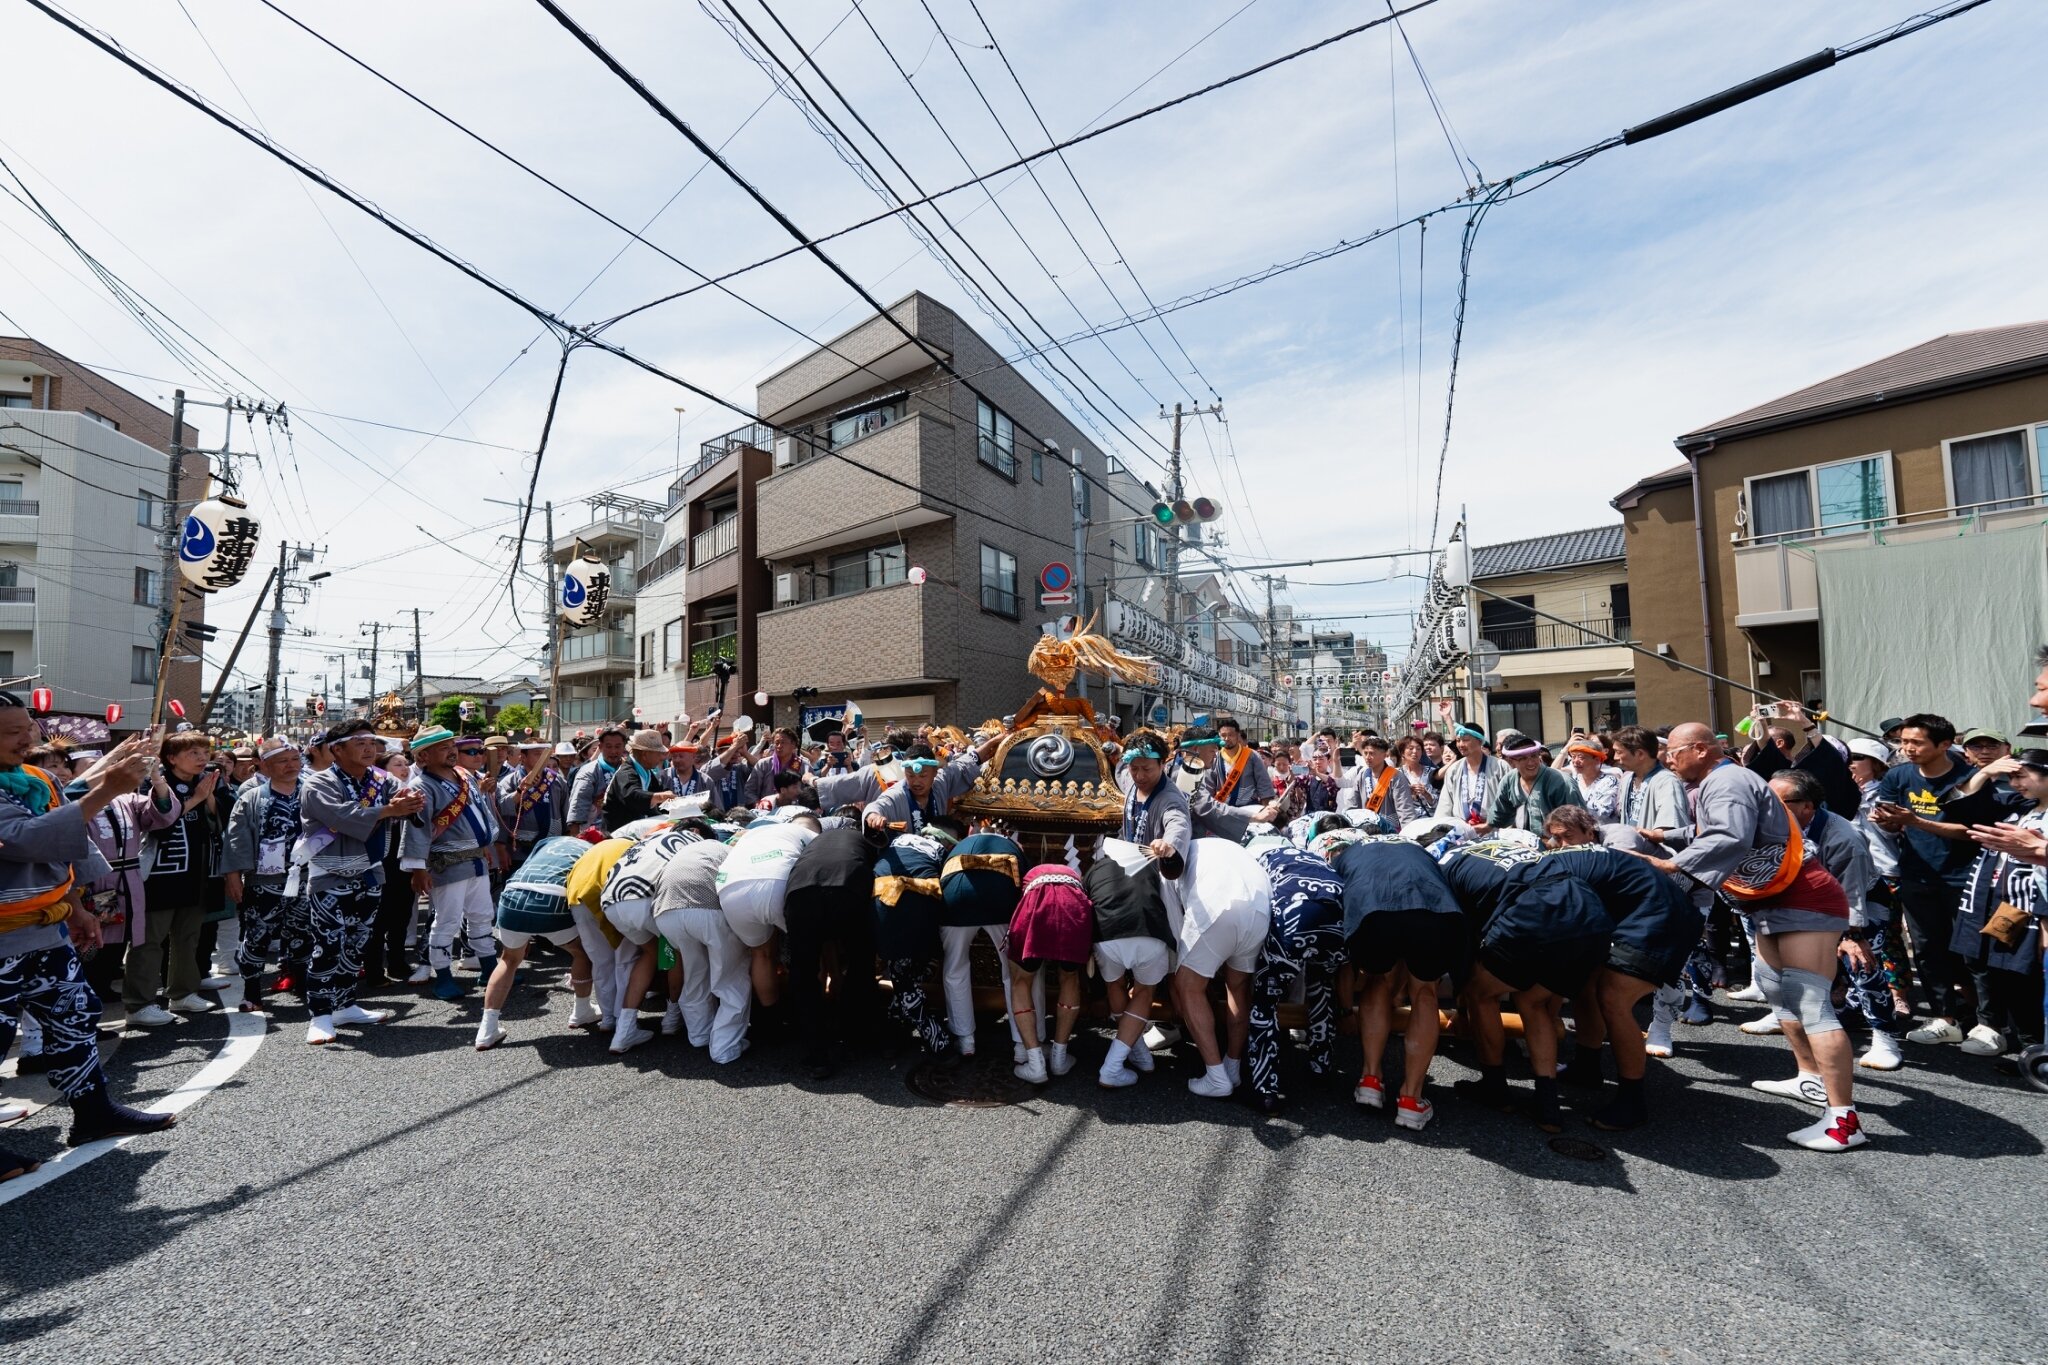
586	587
917	573
217	543
760	699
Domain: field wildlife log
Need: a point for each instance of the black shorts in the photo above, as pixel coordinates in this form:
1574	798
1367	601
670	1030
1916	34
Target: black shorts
1658	965
1558	967
1429	943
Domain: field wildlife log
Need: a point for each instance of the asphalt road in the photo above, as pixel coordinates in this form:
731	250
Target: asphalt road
399	1196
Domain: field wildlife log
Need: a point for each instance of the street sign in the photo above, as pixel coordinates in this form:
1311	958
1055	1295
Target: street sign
1056	599
1485	657
1056	577
1159	715
1486	682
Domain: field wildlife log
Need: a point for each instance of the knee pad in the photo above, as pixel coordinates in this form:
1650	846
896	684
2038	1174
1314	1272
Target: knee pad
1807	996
1772	985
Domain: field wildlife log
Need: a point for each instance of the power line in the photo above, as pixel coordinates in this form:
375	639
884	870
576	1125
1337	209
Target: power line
1076	140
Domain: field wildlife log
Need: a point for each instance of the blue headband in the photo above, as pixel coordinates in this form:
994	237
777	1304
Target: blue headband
911	765
1467	730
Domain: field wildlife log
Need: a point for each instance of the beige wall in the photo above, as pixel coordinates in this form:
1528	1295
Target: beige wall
1664	567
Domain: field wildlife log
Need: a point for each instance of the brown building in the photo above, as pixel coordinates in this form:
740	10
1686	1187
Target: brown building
1750	557
884	463
83	473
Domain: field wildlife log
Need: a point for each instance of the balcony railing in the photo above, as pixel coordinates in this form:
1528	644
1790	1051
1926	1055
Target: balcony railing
665	563
1003	601
25	594
757	436
593	710
607	645
720	538
705	654
1528	635
17	507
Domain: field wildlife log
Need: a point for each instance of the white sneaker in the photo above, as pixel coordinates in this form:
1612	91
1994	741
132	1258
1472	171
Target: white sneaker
584	1013
965	1042
1369	1093
1936	1031
356	1014
1161	1035
421	975
1414	1114
192	1004
320	1030
151	1016
1984	1041
628	1036
12	1113
1032	1069
1116	1078
1831	1134
1017	1054
1213	1084
219	981
489	1035
1763	1024
1658	1043
1141	1057
1805	1088
1752	994
1060	1062
1883	1054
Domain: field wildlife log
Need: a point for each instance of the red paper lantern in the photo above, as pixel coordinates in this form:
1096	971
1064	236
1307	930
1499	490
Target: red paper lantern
113	713
42	699
177	708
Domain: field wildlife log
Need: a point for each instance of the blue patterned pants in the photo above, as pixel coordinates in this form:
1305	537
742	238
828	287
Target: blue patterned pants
910	1003
49	986
342	911
1291	951
1870	993
264	912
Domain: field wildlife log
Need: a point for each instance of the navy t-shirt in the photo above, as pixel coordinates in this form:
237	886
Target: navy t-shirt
1928	859
1390	874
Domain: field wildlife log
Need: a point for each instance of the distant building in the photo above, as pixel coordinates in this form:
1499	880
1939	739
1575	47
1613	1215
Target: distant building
597	667
83	473
1559	669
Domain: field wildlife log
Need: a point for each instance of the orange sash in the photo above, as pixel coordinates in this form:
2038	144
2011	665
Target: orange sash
1379	791
1757	878
1227	788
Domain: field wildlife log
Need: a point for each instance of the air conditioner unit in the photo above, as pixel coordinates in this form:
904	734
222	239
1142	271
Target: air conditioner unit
785	452
785	589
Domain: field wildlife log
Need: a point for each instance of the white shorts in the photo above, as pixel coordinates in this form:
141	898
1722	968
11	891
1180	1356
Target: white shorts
1233	940
515	938
753	907
633	918
1144	958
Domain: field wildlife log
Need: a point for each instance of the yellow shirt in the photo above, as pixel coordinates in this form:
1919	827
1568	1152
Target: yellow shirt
587	879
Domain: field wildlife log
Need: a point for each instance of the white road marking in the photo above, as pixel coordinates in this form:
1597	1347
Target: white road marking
245	1035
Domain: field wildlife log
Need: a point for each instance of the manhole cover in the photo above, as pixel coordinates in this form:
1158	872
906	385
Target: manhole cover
1578	1149
968	1082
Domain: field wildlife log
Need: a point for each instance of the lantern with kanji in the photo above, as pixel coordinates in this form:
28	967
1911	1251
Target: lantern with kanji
217	543
586	587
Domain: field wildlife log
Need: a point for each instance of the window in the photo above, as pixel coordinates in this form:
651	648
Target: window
864	421
1844	497
1144	545
10	492
148	588
145	508
1508	625
101	418
6	663
10	576
1515	711
141	664
860	570
997	443
998	581
1617	610
16	400
647	654
672	644
1037	465
1990	472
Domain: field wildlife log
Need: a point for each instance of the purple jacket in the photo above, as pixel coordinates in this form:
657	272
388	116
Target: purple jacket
118	832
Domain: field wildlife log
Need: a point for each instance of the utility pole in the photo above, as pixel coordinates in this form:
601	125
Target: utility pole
277	624
1173	495
1079	490
206	712
419	672
376	630
174	524
555	616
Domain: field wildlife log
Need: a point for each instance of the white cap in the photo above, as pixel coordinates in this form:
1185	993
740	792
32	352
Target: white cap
565	750
1872	748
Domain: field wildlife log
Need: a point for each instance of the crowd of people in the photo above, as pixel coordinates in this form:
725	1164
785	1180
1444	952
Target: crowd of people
761	885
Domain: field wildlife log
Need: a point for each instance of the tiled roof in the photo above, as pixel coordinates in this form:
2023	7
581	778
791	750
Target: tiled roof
1957	358
1595	545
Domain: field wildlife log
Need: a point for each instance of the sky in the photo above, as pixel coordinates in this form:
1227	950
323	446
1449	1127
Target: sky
1644	294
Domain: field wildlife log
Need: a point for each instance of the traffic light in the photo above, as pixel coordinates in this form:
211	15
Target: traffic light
1186	511
199	632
